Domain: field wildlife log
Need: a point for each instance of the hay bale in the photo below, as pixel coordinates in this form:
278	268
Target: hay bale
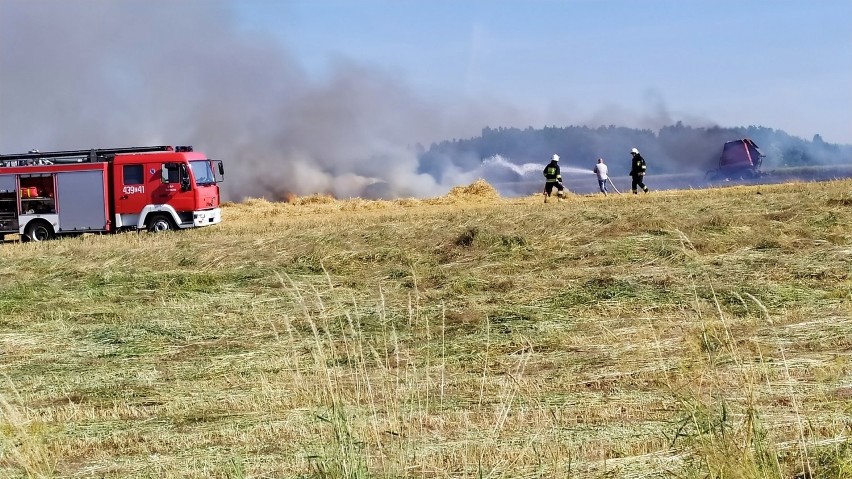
315	199
479	188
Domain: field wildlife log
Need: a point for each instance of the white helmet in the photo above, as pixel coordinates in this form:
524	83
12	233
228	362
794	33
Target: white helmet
555	157
634	151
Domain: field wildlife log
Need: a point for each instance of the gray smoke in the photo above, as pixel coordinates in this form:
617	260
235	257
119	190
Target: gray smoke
83	74
79	74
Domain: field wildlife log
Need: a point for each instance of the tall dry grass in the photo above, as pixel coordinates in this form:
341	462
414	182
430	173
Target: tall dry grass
684	334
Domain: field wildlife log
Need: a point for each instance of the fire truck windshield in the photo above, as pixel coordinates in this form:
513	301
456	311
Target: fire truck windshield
202	172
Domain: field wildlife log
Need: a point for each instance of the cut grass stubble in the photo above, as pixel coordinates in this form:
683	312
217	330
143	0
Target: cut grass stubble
683	334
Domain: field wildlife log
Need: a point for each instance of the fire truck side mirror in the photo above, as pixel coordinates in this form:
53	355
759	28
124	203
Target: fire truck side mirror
164	173
218	171
184	177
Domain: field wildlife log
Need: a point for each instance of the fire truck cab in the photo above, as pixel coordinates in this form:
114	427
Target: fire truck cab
158	188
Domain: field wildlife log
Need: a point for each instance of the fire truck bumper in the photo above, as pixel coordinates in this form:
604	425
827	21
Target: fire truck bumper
207	217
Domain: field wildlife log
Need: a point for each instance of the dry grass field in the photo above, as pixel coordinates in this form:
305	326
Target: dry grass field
682	334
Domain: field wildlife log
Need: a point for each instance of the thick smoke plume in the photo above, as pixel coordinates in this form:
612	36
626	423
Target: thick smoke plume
78	75
82	74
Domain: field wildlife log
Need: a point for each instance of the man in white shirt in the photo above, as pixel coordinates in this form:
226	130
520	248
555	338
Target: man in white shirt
601	170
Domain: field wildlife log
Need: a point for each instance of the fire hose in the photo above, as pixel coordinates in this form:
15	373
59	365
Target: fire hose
613	185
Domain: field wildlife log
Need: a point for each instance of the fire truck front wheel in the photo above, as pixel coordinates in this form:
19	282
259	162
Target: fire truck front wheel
160	223
38	231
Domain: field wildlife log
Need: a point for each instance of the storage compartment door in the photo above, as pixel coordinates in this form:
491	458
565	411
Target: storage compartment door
82	201
8	204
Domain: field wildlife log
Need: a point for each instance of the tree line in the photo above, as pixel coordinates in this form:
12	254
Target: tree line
675	148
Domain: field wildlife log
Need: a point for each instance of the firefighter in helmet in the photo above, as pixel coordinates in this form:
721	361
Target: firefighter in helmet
553	178
637	172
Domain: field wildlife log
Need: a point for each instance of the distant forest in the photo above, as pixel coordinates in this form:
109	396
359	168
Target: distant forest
673	149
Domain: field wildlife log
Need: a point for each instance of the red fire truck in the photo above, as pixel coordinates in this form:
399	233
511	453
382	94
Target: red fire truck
158	188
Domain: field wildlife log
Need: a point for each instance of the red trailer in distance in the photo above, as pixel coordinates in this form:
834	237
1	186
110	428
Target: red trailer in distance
741	159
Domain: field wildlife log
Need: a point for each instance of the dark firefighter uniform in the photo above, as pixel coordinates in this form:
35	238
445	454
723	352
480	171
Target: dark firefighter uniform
637	172
553	178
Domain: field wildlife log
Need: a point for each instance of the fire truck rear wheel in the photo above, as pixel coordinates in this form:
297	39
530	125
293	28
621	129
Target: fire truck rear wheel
160	223
38	231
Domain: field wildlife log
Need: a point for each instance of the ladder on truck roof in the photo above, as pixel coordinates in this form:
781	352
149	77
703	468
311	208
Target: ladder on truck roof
94	155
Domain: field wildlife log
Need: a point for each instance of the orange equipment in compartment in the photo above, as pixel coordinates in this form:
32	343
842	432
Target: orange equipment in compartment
29	192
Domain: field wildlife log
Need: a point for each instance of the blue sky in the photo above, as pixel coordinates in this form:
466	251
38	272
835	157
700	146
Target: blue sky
783	64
